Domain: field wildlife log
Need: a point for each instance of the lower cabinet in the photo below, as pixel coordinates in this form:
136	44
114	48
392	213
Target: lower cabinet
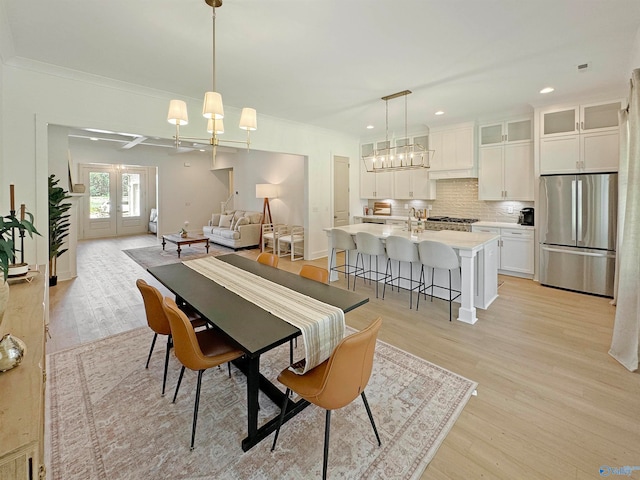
515	252
22	388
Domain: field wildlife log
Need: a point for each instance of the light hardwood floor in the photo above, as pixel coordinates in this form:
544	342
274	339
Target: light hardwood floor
551	402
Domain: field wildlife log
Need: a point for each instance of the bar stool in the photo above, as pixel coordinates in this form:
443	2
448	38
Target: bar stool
437	255
401	250
342	241
368	244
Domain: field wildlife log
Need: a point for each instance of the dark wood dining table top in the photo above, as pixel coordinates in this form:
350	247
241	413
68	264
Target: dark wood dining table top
252	328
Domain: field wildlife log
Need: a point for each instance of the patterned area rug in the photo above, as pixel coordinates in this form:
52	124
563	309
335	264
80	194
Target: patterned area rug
154	256
108	420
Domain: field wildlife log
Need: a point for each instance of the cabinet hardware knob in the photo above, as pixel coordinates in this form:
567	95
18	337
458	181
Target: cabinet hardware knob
577	127
581	125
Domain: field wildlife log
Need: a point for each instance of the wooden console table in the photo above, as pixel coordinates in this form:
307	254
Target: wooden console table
22	397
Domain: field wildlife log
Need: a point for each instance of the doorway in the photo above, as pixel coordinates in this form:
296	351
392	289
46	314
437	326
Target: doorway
340	191
116	204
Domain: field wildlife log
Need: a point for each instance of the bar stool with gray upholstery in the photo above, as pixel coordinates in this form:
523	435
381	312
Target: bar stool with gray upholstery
436	255
401	249
372	246
342	241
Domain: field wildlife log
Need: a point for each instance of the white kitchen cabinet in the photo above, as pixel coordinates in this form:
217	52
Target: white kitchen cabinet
505	162
453	155
580	139
374	185
516	249
505	172
413	184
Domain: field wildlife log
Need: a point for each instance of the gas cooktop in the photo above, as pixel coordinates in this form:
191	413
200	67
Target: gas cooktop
452	219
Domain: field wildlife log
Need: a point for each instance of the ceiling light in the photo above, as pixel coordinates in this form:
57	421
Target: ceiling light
439	112
547	90
405	157
212	108
93	139
370	127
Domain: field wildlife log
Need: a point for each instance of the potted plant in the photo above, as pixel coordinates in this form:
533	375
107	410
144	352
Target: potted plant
8	225
58	225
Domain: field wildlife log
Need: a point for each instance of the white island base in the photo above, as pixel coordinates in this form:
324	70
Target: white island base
478	254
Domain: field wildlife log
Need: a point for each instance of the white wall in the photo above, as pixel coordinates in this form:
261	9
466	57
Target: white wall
32	99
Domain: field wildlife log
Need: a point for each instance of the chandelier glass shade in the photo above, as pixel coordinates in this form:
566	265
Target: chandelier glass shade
212	108
404	155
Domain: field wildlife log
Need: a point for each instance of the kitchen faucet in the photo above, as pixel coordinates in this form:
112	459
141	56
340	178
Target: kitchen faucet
412	209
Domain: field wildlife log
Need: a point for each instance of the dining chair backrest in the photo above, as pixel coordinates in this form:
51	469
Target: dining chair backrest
268	259
348	369
402	249
185	342
438	255
369	244
342	240
312	272
156	317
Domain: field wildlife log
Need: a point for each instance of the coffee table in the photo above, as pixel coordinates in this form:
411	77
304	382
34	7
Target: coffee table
180	240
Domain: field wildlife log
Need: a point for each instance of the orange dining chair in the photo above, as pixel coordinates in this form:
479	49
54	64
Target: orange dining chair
158	321
318	274
268	259
196	351
336	382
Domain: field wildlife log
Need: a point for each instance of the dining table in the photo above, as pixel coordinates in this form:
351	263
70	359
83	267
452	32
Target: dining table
253	329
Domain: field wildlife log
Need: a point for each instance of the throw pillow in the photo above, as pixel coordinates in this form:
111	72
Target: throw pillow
241	221
215	220
254	217
225	221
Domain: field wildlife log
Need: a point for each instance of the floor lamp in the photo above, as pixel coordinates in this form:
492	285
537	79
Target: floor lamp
266	191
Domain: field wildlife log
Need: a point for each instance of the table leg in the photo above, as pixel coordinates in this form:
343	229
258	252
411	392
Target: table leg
179	250
253	386
207	246
163	243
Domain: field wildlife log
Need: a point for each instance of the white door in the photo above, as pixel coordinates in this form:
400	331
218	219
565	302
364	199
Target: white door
116	201
340	191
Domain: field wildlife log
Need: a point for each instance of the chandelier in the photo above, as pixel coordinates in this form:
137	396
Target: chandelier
408	156
212	108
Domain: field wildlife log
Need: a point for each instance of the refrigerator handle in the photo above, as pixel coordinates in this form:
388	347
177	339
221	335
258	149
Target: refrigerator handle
579	210
573	210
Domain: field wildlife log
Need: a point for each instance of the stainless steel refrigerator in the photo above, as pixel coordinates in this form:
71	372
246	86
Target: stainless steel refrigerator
578	234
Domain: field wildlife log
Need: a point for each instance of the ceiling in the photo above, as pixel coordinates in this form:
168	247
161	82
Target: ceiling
327	63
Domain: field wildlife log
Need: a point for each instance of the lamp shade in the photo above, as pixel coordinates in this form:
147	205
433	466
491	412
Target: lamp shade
177	113
248	119
212	107
266	190
218	123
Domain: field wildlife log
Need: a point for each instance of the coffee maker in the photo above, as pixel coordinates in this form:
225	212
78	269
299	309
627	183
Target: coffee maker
526	216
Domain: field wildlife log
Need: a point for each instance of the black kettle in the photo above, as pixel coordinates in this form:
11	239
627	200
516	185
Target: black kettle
526	216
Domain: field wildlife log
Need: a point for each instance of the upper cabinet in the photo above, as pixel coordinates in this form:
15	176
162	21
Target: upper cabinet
582	138
505	162
453	155
374	185
413	184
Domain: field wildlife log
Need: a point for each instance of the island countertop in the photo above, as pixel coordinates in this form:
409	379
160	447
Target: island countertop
457	240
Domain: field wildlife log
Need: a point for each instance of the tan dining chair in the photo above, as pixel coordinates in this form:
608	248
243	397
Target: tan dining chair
336	382
268	259
159	323
312	272
196	351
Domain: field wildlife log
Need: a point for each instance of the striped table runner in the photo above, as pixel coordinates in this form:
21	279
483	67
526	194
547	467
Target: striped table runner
322	325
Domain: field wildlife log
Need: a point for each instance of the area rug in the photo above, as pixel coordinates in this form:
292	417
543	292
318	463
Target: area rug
154	256
108	421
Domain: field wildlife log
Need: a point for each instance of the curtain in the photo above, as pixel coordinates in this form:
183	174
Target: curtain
626	329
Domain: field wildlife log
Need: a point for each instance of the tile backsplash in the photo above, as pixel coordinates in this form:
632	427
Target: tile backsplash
459	198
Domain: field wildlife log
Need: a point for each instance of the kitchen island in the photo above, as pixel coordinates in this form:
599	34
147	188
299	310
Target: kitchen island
478	253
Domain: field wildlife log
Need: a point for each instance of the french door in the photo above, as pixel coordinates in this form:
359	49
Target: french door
116	202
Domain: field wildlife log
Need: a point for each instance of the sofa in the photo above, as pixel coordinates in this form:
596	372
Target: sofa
234	228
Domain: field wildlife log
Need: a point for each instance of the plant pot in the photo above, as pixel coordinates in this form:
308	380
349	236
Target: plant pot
53	280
